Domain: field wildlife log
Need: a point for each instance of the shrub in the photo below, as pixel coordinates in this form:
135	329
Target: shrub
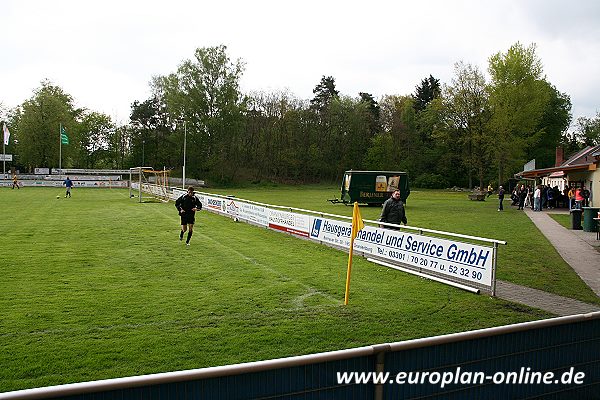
430	181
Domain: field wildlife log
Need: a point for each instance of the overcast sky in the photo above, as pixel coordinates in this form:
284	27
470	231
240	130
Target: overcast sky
104	54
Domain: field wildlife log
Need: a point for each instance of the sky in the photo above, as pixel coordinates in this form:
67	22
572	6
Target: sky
105	53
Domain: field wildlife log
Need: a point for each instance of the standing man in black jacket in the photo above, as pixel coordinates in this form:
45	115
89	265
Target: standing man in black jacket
187	205
393	211
500	198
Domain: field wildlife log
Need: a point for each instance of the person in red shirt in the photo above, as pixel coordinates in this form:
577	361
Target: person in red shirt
578	198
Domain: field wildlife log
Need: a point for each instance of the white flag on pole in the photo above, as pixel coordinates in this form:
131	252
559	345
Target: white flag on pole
6	134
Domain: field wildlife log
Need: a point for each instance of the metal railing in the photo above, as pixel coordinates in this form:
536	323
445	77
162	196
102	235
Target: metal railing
553	345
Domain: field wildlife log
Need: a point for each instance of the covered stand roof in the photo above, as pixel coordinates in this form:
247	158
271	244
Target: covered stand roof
584	160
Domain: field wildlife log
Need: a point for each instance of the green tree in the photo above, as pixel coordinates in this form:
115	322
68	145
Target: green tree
149	123
352	130
91	139
467	113
519	97
37	127
324	93
322	130
374	111
554	123
428	90
119	147
205	93
380	154
398	119
272	144
589	130
433	152
426	119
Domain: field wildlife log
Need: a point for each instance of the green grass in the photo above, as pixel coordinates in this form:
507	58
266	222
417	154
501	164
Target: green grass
528	259
98	286
563	219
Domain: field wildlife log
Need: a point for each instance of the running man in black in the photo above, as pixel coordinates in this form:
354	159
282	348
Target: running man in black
187	205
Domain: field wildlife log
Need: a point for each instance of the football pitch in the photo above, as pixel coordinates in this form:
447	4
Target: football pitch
98	286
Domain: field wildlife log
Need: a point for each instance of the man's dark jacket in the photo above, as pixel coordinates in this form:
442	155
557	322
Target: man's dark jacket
393	212
186	203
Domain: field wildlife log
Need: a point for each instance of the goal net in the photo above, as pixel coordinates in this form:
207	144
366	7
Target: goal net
150	184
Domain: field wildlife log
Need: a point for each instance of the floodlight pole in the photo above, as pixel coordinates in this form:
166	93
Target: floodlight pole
140	182
184	148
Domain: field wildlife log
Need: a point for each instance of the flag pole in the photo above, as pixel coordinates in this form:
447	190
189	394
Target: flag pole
349	272
3	156
60	150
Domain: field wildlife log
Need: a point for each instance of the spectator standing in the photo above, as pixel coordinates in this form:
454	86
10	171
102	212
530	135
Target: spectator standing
528	197
565	197
522	197
552	196
393	211
537	199
578	198
515	196
586	196
500	198
544	197
571	196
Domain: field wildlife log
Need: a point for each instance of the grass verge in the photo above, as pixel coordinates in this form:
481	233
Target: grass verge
529	259
99	286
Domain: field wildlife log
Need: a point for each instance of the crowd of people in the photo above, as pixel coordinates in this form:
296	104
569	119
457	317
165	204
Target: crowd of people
545	197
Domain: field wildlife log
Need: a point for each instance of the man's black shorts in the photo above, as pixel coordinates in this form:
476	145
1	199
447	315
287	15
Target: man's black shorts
188	218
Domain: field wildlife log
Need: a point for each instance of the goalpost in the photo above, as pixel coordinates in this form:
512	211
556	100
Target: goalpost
157	190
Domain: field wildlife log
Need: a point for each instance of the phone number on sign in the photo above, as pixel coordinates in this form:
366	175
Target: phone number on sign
449	269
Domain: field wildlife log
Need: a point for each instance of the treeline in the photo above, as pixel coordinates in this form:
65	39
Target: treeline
467	132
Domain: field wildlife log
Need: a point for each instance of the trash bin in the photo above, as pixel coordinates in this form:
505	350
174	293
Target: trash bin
589	224
576	219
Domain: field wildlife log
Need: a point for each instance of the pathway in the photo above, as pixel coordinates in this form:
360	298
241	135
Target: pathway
579	250
550	302
572	246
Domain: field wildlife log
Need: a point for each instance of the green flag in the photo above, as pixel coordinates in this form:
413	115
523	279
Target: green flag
64	139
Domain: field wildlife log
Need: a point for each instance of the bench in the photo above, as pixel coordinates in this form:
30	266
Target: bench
477	196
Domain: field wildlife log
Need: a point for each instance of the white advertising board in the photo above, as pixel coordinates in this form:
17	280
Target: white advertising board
252	213
289	222
444	257
56	183
114	184
297	224
451	258
210	203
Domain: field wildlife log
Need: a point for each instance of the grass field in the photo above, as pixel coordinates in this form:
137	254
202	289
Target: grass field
563	219
529	259
98	286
